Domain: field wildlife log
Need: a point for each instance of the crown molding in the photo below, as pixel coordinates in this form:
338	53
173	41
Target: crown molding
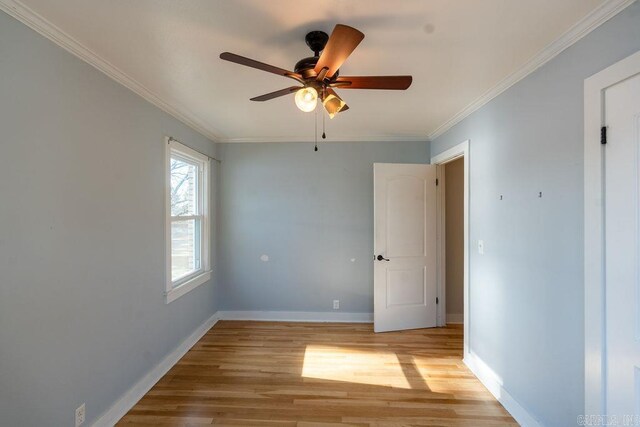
311	140
583	27
39	24
45	28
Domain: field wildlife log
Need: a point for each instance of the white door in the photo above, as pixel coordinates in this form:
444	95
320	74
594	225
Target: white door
622	118
404	246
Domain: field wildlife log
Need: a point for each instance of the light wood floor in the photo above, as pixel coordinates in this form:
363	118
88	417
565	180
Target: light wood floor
311	374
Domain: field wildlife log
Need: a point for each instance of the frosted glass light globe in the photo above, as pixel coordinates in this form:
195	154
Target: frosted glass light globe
306	99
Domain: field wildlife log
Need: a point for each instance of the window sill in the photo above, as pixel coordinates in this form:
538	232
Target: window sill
187	286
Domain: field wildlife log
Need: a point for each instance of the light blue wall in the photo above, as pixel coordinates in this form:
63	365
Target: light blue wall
311	213
527	289
82	316
82	312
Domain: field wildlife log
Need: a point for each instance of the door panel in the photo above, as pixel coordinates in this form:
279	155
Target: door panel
405	216
406	287
405	235
622	118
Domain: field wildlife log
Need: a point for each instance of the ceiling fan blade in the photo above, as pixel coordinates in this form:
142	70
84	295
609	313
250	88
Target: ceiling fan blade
373	82
276	94
342	42
232	57
333	103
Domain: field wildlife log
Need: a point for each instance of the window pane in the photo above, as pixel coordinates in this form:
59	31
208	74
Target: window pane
184	187
185	248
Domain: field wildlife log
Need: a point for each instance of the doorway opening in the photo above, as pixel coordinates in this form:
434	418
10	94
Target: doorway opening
453	189
453	238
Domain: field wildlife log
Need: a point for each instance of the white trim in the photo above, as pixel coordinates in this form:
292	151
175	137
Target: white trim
188	151
455	152
451	154
310	139
493	383
297	316
38	23
441	246
174	290
184	288
139	389
583	27
594	314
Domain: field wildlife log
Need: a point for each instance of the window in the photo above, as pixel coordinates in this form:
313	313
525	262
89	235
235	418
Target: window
187	219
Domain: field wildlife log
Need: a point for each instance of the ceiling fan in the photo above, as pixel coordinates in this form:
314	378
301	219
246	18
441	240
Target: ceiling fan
319	74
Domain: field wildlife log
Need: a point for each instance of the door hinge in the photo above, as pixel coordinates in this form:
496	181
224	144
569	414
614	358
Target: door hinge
603	135
437	300
436	181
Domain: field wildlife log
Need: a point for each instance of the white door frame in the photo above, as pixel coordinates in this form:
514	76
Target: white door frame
594	291
455	152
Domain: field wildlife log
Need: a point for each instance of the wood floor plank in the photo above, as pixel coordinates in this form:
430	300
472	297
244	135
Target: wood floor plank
320	374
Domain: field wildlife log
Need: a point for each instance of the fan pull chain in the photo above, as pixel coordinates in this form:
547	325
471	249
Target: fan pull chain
315	133
324	135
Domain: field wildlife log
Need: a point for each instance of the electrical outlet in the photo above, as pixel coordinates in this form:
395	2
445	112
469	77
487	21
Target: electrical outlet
336	304
80	414
481	247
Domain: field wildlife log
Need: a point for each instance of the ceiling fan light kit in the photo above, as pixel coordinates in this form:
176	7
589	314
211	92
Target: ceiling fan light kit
334	104
319	74
306	99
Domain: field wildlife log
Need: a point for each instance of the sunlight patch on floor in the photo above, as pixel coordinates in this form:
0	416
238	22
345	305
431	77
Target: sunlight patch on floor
354	366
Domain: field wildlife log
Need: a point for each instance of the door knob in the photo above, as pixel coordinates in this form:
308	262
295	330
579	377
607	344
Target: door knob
381	258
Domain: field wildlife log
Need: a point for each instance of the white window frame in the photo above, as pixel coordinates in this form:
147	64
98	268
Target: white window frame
178	288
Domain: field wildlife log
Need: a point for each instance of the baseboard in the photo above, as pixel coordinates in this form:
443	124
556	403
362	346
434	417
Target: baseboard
493	383
135	393
455	318
297	316
480	369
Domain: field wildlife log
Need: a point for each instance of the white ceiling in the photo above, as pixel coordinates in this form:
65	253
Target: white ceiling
456	51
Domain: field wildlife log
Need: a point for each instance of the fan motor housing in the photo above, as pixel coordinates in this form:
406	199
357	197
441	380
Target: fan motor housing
316	40
305	67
